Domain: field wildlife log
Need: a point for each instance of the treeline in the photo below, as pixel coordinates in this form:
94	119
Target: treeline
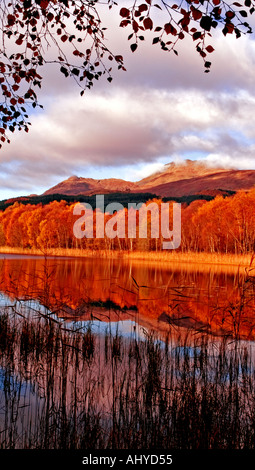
222	225
122	198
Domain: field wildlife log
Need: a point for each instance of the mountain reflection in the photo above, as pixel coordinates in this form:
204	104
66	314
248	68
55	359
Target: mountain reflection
156	297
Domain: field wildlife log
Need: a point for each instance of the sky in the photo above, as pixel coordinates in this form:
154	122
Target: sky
163	108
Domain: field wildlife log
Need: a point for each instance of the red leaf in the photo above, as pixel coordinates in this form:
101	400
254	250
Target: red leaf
44	4
143	7
33	22
118	58
11	20
124	12
50	16
209	49
19	40
196	14
216	2
64	38
124	23
197	35
230	14
16	78
169	29
135	26
230	27
148	23
13	101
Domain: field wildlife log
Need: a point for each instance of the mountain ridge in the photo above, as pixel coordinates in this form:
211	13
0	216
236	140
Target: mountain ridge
174	180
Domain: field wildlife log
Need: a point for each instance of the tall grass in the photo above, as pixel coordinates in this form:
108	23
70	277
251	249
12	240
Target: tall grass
69	388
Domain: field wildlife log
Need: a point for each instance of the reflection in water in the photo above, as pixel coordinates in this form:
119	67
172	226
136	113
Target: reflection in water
98	354
152	296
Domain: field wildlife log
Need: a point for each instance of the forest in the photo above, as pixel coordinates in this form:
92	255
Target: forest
221	225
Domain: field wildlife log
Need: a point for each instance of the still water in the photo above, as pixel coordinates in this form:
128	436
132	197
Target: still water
152	296
99	353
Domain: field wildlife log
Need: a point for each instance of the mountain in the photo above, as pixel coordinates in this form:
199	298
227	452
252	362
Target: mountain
220	181
175	180
178	171
88	186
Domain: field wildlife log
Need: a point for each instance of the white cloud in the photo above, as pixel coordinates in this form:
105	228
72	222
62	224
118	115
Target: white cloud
238	160
143	124
162	108
132	126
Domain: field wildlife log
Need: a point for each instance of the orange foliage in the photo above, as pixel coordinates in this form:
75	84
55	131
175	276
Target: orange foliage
219	226
169	298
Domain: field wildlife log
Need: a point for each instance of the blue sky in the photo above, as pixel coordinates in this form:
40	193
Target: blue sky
164	108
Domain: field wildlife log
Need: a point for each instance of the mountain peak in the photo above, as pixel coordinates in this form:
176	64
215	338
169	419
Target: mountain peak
175	179
73	178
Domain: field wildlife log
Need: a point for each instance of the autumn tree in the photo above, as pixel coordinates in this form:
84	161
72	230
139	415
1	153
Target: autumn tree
191	226
72	35
222	225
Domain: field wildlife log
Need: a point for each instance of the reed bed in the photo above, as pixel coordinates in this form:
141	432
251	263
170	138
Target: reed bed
64	387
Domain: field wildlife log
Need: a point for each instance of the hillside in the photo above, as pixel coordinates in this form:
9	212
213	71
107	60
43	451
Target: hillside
220	181
179	171
88	186
176	180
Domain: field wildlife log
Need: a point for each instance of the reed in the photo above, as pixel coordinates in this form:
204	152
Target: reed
64	387
67	388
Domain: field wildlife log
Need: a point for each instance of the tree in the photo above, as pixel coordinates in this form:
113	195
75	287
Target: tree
74	33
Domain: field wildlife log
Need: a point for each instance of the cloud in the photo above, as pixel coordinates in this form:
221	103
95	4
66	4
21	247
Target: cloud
127	127
232	66
164	107
231	161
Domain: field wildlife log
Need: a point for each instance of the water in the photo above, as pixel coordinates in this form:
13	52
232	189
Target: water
108	353
151	296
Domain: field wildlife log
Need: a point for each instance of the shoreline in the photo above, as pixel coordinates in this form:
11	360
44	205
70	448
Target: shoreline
148	257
